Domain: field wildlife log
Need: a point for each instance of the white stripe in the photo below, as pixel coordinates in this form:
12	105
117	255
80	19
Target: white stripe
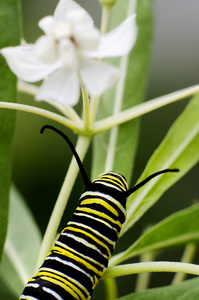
92	230
73	280
49	291
74	251
84	242
104	182
25	297
35	285
71	265
95	218
121	181
106	196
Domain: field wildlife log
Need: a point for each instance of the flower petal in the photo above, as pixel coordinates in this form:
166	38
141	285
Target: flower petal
45	49
25	65
87	38
118	41
46	24
98	77
62	87
68	55
64	8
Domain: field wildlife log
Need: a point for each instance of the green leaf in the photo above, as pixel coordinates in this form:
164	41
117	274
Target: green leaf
188	289
9	29
178	229
122	148
22	245
179	149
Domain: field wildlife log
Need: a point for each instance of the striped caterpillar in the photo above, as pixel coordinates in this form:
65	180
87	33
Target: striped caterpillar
80	255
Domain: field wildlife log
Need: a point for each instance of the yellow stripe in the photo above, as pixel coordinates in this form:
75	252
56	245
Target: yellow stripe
67	253
98	219
67	281
99	214
122	184
84	242
108	183
68	287
70	223
92	237
112	179
78	253
57	282
102	202
108	197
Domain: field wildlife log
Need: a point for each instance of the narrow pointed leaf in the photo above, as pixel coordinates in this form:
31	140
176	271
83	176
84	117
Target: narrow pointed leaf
178	229
188	289
121	149
9	29
22	246
179	149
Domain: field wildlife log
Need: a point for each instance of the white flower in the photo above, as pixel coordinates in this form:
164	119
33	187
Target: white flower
65	54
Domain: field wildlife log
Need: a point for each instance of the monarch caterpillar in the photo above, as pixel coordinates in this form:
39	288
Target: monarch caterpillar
80	255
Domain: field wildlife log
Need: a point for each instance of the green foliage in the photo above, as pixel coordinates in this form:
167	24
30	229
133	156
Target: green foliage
22	246
179	149
188	289
134	91
178	229
9	25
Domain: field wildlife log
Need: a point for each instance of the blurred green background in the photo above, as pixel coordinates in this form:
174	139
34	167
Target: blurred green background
41	161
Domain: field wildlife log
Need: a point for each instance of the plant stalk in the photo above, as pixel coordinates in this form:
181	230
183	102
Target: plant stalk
155	266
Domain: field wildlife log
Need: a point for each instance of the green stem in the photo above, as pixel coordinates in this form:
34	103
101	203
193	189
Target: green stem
117	107
187	257
143	279
67	111
118	100
105	18
32	89
51	231
94	101
27	88
44	113
155	266
93	109
110	289
86	109
144	108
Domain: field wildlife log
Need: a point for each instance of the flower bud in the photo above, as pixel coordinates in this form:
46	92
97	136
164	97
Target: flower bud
107	2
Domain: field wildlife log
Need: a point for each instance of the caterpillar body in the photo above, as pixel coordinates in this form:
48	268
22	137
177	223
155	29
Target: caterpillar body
80	256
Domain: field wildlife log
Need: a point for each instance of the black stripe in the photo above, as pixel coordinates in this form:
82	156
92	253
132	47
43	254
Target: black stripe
73	272
113	225
121	180
100	208
95	243
110	191
72	275
99	237
77	254
42	295
83	249
113	183
121	217
93	223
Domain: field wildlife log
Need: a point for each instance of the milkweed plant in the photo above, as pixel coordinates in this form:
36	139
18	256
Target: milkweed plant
103	70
